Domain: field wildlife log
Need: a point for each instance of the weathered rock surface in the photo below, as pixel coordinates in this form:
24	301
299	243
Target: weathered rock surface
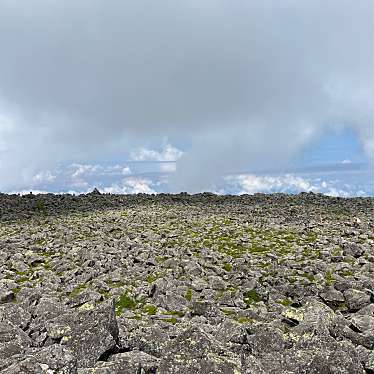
168	284
88	333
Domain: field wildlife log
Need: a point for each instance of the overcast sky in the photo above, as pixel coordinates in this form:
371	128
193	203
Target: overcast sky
222	87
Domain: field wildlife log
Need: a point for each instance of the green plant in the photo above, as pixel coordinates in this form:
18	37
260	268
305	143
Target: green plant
151	278
251	297
40	206
188	294
174	313
329	278
226	266
171	320
285	302
124	302
77	290
150	309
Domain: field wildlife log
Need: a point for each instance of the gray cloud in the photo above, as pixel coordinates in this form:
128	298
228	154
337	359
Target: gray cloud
246	83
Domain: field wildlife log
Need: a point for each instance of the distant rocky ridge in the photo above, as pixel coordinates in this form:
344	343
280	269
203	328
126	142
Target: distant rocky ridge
260	284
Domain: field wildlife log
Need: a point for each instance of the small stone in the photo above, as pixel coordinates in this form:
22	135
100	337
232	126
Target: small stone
6	296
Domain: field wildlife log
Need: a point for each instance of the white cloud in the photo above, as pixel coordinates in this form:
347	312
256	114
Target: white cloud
168	167
27	192
44	177
126	171
81	170
289	183
131	186
167	153
250	184
250	84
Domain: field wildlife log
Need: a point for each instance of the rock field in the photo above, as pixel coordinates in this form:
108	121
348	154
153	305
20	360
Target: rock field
144	284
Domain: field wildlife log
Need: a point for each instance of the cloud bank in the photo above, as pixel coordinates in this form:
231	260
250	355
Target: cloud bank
245	84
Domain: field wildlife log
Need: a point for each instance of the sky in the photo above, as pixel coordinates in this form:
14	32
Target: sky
228	96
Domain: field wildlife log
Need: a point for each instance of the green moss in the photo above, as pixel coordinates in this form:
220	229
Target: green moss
22	280
285	302
243	320
112	284
21	272
160	259
329	278
105	294
309	276
77	290
188	294
339	306
171	320
124	302
349	260
174	313
152	278
227	312
346	273
263	265
251	297
150	309
336	251
16	290
226	266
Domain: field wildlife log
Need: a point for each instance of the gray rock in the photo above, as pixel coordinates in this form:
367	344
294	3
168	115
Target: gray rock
88	334
353	249
194	351
125	363
136	361
262	338
6	296
149	339
369	364
314	358
356	299
217	283
53	359
367	310
12	340
332	297
204	308
363	323
85	297
17	315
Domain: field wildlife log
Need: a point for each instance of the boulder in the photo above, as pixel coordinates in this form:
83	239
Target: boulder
89	334
356	299
13	340
195	351
53	359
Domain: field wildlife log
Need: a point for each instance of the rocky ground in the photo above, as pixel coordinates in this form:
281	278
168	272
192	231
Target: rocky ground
186	284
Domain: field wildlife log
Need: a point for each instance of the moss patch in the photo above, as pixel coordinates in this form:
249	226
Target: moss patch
188	294
251	297
150	309
124	302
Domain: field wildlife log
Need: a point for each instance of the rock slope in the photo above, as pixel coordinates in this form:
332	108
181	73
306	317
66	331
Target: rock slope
186	284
